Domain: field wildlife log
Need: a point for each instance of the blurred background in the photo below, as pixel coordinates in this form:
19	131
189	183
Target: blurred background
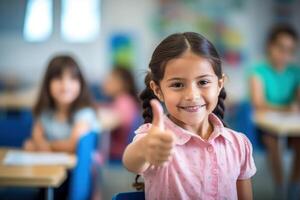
102	34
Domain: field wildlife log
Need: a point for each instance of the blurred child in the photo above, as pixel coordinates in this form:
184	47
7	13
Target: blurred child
63	112
275	86
120	86
188	153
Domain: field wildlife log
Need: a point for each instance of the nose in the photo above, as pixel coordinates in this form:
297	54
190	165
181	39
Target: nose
66	83
192	93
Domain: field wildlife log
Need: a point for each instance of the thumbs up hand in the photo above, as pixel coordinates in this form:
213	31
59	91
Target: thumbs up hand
159	142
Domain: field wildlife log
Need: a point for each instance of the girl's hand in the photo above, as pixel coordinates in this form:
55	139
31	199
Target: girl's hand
159	142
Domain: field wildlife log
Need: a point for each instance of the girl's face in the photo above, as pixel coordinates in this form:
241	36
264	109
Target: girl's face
112	85
189	89
281	51
65	88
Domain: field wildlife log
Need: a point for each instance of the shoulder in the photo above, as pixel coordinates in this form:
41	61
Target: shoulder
85	110
260	68
85	113
293	68
141	131
144	128
238	139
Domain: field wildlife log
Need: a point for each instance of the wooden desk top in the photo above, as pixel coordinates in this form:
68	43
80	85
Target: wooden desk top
18	99
284	124
31	176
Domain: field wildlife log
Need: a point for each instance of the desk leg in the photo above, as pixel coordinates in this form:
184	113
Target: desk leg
49	193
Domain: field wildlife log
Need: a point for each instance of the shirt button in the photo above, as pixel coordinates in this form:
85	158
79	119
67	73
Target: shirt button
209	149
215	171
214	160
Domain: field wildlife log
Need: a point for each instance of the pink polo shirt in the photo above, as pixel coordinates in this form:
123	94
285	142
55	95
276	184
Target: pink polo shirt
201	169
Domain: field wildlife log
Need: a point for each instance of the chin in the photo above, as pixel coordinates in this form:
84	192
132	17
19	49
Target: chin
67	101
191	120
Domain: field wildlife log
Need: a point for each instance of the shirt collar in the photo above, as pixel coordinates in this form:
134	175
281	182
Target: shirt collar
219	129
183	136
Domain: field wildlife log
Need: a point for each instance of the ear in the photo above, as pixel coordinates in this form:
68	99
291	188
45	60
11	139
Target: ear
156	90
221	82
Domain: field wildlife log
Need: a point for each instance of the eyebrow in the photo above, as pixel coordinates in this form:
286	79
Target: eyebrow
178	78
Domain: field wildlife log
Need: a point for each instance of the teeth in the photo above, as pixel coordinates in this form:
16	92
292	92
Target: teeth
191	108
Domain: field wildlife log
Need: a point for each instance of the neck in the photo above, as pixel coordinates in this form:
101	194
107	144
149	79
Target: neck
277	66
204	129
62	111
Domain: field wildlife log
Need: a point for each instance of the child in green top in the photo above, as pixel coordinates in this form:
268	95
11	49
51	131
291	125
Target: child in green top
275	86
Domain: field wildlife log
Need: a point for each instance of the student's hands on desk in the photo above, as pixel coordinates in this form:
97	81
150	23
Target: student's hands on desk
159	142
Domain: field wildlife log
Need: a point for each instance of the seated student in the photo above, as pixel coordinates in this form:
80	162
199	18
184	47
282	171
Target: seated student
64	111
122	111
274	84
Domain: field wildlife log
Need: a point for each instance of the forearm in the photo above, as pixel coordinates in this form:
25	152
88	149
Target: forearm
271	107
134	157
41	144
244	189
63	145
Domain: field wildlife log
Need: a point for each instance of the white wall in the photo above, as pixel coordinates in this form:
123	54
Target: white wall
27	61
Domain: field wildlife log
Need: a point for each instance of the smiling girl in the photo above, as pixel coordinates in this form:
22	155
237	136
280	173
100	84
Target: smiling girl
187	152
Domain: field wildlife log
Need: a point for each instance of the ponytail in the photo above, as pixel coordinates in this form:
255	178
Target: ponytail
220	108
146	96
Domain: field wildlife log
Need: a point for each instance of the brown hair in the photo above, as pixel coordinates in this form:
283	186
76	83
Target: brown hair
279	29
55	68
128	81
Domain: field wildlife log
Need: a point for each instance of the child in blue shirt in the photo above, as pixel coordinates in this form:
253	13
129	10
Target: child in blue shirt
64	111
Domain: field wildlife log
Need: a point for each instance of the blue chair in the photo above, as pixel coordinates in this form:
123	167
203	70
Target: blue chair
80	187
138	120
245	124
129	196
15	127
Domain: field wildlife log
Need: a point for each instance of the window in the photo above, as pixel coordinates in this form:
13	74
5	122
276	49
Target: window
38	20
80	20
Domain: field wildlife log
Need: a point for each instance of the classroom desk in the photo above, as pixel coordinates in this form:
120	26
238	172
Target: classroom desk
18	99
279	123
34	176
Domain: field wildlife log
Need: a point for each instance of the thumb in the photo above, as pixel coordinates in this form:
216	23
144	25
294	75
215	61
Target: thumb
158	114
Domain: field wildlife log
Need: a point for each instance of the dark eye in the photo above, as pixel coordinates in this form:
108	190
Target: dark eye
177	85
203	82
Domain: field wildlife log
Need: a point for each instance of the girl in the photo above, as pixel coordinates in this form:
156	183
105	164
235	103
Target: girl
275	86
121	113
188	153
63	111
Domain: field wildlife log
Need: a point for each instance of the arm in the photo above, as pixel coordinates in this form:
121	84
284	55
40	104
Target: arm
38	138
258	99
69	145
133	157
244	189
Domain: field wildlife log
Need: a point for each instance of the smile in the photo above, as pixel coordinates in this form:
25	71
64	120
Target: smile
191	108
